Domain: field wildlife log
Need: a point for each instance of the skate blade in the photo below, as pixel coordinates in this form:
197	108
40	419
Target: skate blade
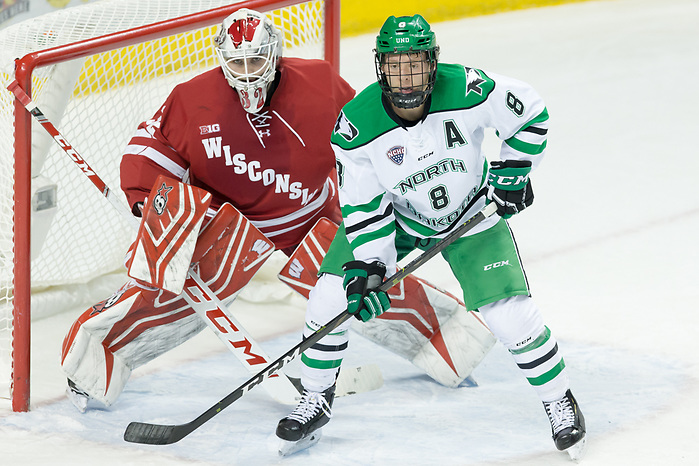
577	451
287	448
79	401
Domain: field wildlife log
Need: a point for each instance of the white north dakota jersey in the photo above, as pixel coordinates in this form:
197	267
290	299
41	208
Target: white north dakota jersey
424	176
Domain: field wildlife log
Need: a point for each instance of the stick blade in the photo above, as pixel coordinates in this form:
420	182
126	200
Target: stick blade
154	434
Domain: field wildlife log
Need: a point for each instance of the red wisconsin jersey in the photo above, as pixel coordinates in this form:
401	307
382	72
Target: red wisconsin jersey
276	166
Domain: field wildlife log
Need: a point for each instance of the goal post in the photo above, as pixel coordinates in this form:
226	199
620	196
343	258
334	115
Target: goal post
96	82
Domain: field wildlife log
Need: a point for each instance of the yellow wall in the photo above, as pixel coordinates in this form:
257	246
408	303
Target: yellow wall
357	17
365	16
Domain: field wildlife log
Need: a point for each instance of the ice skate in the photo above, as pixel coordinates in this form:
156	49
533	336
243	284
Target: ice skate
567	425
301	429
76	396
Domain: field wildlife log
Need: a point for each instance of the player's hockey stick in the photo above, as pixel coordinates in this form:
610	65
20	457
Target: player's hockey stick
159	434
197	293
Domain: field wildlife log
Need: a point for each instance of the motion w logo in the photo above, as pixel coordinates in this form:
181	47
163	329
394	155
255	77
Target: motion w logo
260	246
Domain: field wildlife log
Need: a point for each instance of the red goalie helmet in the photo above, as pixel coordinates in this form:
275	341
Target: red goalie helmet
248	47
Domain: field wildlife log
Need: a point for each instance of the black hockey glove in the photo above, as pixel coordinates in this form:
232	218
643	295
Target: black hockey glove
509	186
361	281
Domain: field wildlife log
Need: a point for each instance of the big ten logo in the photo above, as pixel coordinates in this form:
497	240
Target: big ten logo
208	129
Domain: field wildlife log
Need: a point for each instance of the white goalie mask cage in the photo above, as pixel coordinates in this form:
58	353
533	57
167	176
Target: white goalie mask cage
248	47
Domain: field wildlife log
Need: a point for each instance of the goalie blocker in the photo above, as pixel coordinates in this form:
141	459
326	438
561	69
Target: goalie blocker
426	325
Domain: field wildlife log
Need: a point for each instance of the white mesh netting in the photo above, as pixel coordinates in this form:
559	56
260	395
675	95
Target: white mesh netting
96	103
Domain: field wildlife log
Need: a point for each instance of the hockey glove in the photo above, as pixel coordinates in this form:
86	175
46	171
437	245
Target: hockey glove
361	281
509	186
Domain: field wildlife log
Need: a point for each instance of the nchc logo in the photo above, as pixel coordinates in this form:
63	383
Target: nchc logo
496	265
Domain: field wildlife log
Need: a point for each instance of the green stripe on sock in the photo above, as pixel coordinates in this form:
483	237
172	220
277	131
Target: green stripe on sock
548	376
540	340
318	364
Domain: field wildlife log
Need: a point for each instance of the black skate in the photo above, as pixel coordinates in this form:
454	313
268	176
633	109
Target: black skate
567	425
301	429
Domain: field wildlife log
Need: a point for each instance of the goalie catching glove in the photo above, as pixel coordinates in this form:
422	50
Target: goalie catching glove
509	186
361	281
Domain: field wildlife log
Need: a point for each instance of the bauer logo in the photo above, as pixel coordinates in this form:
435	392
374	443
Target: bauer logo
396	154
160	199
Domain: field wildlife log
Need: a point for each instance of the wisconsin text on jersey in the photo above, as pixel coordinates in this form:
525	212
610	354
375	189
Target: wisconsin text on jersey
253	168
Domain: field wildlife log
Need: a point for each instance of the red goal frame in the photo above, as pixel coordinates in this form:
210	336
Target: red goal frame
24	67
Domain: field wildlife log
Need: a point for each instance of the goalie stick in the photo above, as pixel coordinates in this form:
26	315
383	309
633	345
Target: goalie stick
161	434
197	293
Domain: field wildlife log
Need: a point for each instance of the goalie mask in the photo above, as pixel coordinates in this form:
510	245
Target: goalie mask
248	47
406	57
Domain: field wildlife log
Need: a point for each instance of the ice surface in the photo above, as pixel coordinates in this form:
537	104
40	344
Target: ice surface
610	251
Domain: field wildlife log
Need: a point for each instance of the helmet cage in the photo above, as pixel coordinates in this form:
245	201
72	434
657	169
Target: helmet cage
248	47
392	79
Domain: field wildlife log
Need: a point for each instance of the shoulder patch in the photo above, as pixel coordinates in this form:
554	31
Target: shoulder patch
474	82
345	128
459	87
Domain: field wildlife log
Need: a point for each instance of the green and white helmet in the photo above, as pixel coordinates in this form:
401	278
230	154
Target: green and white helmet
411	37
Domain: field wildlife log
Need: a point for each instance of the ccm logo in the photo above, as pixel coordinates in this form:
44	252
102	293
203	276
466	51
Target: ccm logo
495	265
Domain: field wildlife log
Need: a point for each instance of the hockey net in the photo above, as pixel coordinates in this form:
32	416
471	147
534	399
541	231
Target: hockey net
109	69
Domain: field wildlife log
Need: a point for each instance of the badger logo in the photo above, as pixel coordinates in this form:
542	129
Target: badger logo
160	199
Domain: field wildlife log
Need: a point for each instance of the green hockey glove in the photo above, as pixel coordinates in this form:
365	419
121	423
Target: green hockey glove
361	281
509	186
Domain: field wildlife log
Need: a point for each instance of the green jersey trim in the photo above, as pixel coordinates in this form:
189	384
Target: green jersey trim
540	118
382	232
364	119
367	118
525	147
370	206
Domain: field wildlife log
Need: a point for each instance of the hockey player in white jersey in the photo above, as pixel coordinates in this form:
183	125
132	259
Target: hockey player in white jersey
411	169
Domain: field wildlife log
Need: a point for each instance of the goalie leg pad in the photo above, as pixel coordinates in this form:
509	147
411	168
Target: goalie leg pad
137	324
229	252
301	270
465	339
432	329
123	332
